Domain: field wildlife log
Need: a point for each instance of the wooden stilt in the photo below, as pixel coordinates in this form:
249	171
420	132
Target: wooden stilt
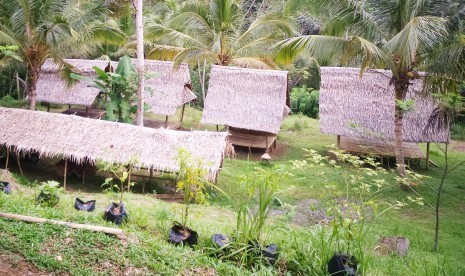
338	143
427	155
166	122
19	164
65	175
150	180
7	157
48	107
182	113
217	128
266	142
87	111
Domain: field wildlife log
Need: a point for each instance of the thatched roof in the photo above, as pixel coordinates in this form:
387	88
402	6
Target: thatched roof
166	91
246	98
170	88
368	103
77	138
51	88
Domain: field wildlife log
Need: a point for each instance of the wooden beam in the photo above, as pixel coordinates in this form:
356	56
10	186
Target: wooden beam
427	155
107	230
338	143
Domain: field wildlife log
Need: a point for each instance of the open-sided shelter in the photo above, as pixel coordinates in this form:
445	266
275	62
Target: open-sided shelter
53	89
85	140
360	111
168	88
251	103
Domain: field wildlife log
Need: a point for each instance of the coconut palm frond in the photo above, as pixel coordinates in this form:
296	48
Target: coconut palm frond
421	34
254	62
164	52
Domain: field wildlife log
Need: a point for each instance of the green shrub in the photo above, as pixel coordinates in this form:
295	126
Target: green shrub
458	131
305	101
8	101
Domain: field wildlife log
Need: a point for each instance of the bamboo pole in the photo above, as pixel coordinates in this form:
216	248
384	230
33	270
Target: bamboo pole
19	165
107	230
7	157
166	122
427	155
182	113
65	174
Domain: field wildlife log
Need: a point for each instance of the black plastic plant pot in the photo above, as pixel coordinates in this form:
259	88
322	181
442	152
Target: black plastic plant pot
342	264
47	199
87	206
5	187
220	240
270	253
116	213
180	235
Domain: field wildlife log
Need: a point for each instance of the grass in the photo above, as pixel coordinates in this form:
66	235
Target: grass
304	248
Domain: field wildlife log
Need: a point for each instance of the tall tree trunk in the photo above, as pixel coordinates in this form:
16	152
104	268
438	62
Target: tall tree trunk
140	64
400	90
33	73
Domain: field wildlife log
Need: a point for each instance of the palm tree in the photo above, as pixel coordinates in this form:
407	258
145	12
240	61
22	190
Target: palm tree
395	35
51	29
214	31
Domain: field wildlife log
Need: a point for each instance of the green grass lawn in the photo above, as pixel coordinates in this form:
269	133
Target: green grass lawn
302	249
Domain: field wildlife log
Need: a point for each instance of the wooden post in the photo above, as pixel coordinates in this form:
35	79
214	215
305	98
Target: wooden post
48	107
87	111
129	181
182	113
65	174
427	155
151	176
19	164
217	128
7	157
338	143
266	142
166	122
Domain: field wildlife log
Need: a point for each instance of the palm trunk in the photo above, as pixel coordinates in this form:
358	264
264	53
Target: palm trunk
140	64
398	130
33	73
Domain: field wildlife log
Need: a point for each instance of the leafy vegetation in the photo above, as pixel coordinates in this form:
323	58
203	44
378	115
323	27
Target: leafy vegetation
305	101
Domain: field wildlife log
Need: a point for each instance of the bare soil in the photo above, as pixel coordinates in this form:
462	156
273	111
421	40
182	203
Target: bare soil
15	264
458	145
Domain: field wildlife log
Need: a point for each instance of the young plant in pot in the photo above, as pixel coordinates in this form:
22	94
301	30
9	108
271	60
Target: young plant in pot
49	194
246	245
192	182
350	210
116	212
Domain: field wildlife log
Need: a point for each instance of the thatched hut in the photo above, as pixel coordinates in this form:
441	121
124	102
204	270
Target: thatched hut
53	89
85	140
167	90
363	108
251	103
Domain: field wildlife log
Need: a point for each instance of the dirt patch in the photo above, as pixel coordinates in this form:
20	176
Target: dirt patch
15	264
202	271
458	145
5	175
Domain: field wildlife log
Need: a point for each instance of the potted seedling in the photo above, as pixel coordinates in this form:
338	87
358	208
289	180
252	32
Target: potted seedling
245	246
116	212
192	182
48	195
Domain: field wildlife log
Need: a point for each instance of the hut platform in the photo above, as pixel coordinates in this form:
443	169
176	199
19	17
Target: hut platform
252	139
162	124
379	147
86	113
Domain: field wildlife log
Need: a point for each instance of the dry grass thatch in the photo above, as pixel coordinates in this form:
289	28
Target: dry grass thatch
170	88
165	91
51	88
77	138
246	98
364	107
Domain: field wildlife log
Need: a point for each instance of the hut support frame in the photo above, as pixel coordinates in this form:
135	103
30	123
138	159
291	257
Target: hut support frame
427	155
65	176
7	157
